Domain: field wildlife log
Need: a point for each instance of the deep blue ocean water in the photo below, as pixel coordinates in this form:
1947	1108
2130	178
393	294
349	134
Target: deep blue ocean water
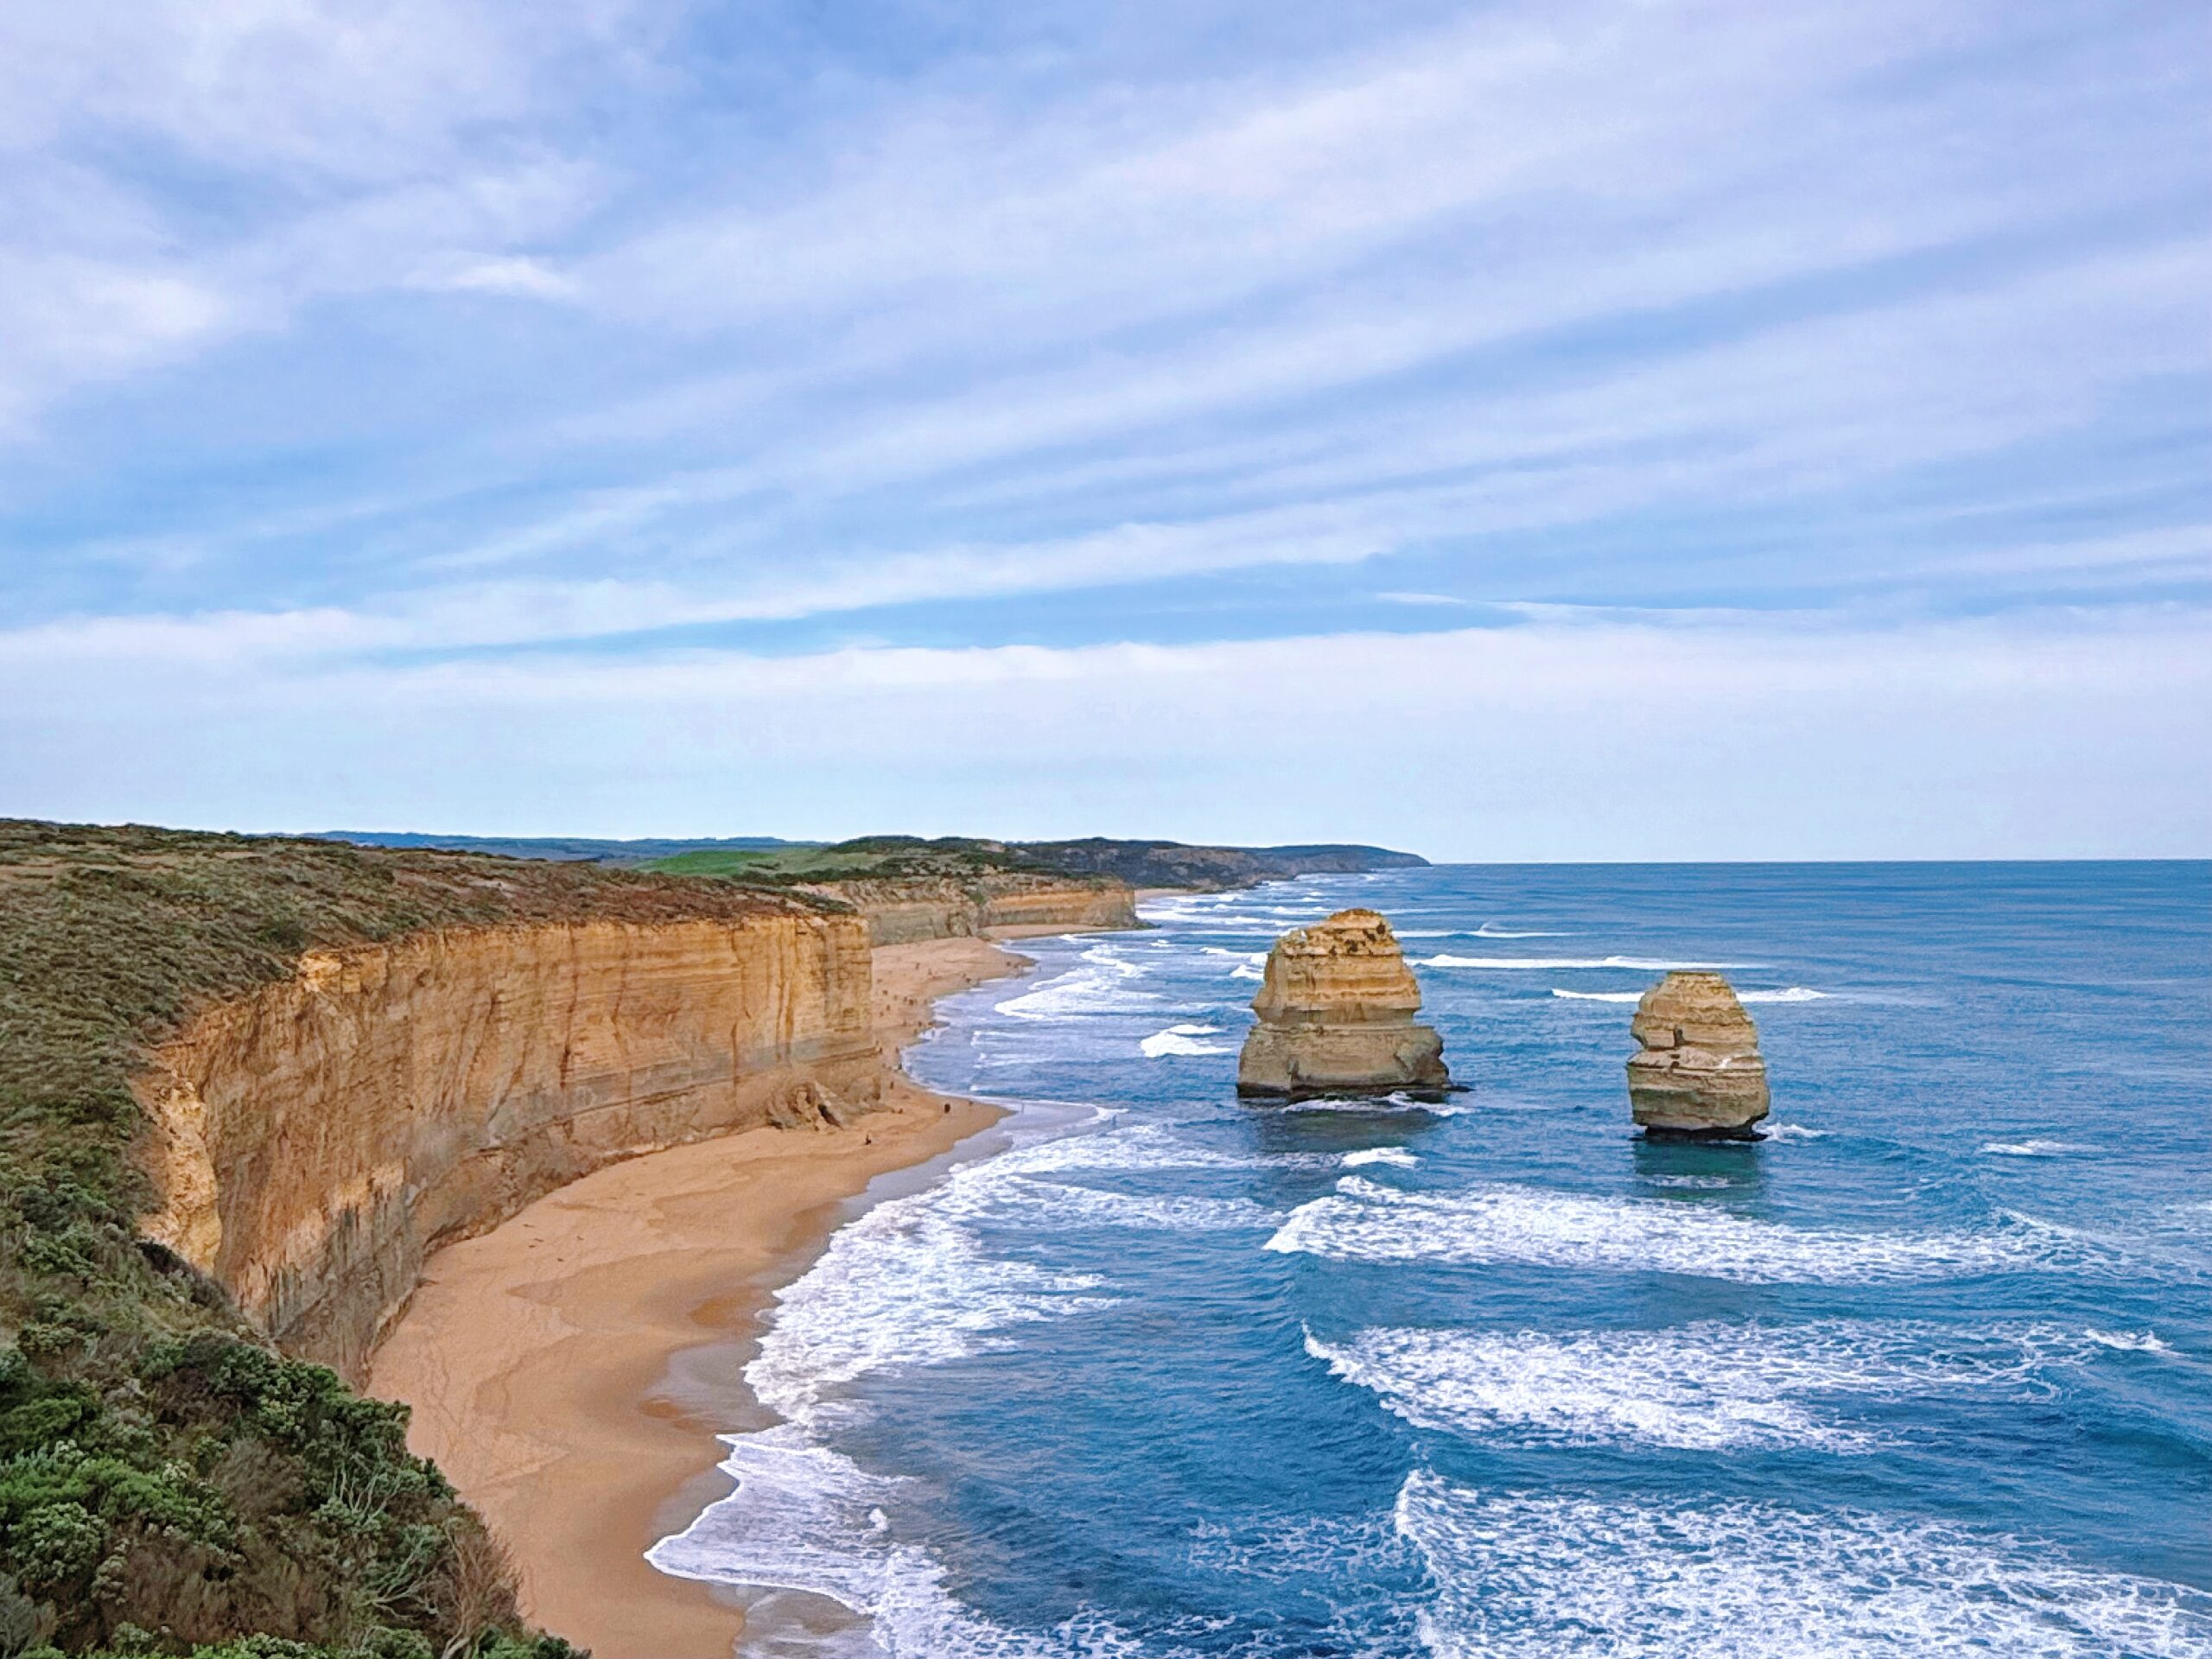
1928	1371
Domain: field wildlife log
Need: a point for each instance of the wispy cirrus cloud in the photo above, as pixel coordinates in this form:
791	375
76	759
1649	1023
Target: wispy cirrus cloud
375	342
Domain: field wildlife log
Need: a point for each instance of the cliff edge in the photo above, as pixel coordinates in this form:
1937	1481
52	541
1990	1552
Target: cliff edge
311	1143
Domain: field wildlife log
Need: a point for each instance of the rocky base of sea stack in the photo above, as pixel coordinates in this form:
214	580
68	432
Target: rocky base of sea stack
1305	1062
1663	1132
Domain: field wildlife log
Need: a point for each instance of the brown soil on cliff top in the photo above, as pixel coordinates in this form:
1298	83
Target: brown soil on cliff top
569	1370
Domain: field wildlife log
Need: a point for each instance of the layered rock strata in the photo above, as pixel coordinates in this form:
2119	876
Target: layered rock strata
1698	1073
312	1143
1336	1016
906	909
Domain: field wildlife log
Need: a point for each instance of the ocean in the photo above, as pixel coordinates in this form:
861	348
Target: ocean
1150	1372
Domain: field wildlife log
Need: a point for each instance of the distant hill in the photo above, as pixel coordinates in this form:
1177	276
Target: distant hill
566	849
1172	864
1138	863
769	858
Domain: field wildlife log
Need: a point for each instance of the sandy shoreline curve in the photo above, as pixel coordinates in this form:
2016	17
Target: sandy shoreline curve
569	1369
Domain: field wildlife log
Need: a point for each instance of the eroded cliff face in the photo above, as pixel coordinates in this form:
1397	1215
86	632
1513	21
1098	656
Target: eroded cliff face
311	1143
903	911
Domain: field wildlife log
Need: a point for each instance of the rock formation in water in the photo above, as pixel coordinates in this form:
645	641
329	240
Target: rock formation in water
1698	1073
1336	1016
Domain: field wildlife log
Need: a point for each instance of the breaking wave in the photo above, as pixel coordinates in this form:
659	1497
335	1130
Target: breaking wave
1396	1157
1100	983
808	1518
1642	964
1708	1386
1536	1577
1182	1040
1793	994
1533	1227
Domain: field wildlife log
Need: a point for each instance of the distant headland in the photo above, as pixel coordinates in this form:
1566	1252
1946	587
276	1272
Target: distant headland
1138	863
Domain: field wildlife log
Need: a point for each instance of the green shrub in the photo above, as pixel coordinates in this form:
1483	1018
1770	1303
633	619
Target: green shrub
56	1546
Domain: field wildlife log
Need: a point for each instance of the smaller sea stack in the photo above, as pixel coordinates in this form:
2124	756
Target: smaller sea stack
1337	1017
1699	1075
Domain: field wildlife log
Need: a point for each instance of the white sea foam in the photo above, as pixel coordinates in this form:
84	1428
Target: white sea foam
1487	930
1795	1131
2140	1342
1791	994
1397	1157
1536	1227
1182	1040
2030	1148
1694	1183
807	1518
1708	1386
1060	1204
1369	1104
911	1283
1249	963
1526	1577
1644	964
1099	983
1145	1146
907	1284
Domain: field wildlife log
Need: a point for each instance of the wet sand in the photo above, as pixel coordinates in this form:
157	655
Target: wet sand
569	1369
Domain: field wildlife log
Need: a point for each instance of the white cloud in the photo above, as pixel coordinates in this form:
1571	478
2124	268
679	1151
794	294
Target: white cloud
182	171
72	320
525	278
1735	735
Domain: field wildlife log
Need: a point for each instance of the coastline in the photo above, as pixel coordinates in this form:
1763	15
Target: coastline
569	1369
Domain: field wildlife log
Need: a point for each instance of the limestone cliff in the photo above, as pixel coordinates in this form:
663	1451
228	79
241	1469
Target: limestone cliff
1336	1015
312	1142
1698	1072
903	910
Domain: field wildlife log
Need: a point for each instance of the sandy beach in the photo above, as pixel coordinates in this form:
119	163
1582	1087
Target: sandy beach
569	1369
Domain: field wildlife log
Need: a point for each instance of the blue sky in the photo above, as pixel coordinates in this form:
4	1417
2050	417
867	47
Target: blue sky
1524	430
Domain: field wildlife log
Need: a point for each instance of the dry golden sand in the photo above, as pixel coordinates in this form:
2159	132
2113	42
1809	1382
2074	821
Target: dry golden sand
545	1360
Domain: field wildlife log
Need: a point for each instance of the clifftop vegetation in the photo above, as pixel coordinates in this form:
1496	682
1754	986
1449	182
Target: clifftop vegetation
1138	863
874	858
168	1483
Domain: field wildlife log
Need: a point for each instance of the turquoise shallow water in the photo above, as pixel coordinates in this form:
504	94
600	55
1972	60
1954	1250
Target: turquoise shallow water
1928	1371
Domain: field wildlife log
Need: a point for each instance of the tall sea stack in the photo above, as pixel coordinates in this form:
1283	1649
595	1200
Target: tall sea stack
1337	1017
1699	1075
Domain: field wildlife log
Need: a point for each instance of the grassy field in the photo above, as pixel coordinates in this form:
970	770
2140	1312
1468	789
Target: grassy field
167	1482
1138	863
871	858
